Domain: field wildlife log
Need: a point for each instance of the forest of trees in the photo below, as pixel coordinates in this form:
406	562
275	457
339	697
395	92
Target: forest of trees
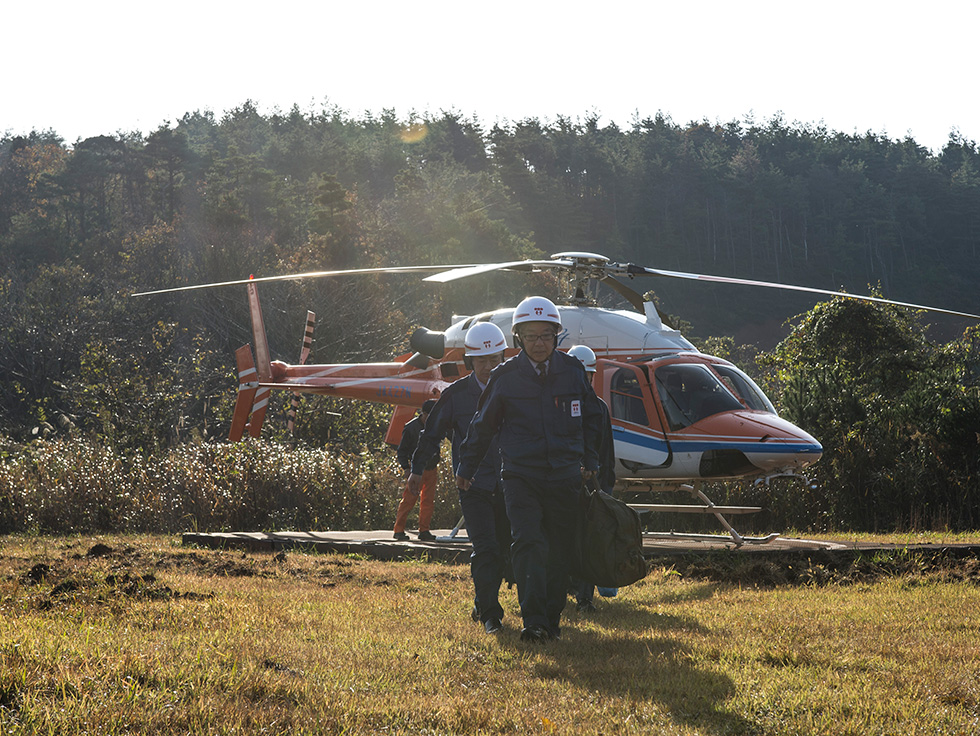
209	198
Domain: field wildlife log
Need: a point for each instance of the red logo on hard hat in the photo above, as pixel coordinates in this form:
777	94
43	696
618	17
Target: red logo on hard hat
487	343
538	310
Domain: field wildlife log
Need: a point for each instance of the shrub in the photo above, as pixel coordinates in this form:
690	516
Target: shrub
72	486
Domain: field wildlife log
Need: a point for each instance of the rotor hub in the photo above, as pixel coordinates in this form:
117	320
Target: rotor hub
582	267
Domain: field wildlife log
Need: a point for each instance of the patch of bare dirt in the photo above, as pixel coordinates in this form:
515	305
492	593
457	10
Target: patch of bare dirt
104	572
100	575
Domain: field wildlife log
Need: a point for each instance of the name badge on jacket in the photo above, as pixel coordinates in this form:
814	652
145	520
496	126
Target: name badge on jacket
576	408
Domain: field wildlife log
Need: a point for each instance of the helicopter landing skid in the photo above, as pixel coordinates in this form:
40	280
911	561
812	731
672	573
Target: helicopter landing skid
453	534
738	539
706	506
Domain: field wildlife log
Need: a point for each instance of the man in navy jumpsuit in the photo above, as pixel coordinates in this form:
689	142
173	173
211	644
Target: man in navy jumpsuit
483	502
541	407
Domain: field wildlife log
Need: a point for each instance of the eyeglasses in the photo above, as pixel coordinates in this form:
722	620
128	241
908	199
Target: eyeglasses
531	339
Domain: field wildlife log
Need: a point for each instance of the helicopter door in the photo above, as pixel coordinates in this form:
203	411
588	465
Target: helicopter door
638	434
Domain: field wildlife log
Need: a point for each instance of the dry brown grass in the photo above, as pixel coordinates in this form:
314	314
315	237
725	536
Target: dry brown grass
152	637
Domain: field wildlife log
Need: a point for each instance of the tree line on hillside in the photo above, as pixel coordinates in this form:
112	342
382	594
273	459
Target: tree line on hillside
211	199
207	198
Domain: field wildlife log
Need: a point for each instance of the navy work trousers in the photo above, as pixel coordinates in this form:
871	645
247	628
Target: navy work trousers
543	517
489	533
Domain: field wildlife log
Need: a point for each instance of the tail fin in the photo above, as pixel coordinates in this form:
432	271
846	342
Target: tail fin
262	357
252	400
259	407
399	418
247	388
303	355
263	361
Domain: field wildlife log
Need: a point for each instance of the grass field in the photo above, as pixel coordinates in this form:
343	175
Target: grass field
140	635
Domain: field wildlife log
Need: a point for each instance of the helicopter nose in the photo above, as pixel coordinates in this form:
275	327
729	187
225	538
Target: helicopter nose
780	444
747	443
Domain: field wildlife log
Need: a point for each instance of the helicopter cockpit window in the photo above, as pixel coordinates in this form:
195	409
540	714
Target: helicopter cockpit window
689	393
745	388
627	397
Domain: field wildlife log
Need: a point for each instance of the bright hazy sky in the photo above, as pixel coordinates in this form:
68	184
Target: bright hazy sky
893	68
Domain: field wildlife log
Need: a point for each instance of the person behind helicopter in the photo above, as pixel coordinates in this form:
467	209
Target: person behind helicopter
483	502
425	490
541	407
605	478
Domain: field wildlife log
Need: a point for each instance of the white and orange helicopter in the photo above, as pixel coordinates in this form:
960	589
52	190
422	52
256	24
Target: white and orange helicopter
680	417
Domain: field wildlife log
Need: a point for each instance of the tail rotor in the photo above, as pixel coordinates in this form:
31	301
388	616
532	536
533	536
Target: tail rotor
303	355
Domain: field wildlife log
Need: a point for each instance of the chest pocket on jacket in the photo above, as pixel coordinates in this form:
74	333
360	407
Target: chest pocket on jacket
568	414
523	417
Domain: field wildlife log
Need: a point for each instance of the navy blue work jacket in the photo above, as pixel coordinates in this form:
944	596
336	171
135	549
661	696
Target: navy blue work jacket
451	416
411	435
607	455
549	428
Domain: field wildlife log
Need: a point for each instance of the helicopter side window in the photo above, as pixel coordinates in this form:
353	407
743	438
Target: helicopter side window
674	400
689	393
744	388
627	398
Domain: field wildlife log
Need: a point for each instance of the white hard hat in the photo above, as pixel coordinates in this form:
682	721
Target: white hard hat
584	353
484	338
535	309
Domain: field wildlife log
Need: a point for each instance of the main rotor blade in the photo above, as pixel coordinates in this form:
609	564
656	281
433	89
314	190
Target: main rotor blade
462	272
790	287
298	276
630	295
635	299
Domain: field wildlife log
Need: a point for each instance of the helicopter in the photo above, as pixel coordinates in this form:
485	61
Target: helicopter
679	417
